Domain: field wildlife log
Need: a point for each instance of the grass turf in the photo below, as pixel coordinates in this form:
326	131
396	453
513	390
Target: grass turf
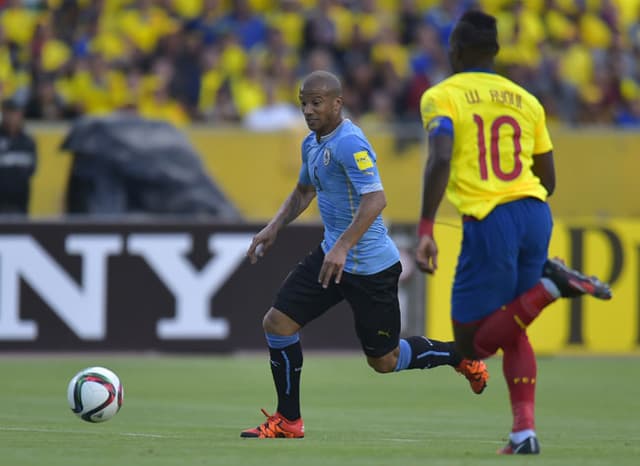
190	410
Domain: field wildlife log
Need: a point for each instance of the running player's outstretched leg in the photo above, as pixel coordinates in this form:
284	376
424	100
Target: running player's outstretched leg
501	328
420	352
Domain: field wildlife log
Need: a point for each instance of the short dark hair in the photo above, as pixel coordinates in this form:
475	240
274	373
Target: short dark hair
477	31
323	79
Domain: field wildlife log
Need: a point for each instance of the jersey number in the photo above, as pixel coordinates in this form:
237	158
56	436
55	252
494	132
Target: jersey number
495	149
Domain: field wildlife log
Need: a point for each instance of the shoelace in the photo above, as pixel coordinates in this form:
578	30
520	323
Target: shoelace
474	370
271	427
471	369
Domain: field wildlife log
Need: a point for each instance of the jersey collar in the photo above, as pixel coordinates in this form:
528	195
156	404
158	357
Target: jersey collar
332	133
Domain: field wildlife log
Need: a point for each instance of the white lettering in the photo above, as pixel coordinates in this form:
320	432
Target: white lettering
193	289
81	307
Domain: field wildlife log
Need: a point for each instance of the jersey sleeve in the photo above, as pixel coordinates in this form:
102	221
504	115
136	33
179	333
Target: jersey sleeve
359	163
435	108
542	143
303	176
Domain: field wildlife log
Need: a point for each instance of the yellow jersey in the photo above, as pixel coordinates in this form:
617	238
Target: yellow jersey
498	127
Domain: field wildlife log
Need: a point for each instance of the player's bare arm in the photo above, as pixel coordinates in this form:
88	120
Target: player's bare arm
436	177
296	203
371	205
544	169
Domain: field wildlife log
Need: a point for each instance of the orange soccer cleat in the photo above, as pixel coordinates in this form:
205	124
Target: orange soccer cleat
476	373
276	426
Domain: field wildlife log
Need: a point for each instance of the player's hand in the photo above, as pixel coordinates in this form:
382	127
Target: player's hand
333	265
427	254
261	243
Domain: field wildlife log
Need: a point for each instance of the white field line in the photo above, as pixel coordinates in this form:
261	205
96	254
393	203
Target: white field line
84	432
414	440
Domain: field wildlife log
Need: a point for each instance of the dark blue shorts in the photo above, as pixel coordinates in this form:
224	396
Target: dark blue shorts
501	257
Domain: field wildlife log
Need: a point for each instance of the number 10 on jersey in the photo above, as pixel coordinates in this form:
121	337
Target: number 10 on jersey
494	147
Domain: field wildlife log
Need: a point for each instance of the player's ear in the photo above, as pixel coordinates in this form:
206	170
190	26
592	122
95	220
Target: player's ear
337	103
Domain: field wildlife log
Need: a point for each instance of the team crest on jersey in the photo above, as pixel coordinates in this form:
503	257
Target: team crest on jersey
326	157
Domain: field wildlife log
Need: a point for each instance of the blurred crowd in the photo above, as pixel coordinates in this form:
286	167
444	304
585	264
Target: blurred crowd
240	61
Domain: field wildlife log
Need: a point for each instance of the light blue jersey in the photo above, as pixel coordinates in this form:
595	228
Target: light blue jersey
342	167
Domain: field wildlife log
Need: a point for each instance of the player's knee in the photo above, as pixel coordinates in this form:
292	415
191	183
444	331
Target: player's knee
481	353
382	365
277	323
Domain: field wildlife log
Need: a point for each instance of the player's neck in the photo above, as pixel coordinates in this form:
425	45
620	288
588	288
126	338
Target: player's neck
481	66
329	131
478	69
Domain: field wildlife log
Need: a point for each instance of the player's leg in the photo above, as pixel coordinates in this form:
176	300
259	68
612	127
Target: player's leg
528	223
519	362
300	300
520	372
540	281
376	310
416	352
506	327
471	366
374	300
530	226
285	358
557	281
485	277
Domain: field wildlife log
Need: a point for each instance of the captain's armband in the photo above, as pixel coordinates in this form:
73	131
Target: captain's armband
440	125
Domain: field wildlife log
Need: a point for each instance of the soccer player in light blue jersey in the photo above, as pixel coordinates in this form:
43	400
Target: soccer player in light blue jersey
357	261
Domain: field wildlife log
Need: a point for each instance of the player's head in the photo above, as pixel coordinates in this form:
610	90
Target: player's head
473	42
321	101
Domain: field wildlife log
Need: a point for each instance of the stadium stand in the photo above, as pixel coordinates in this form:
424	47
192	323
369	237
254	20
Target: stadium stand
220	61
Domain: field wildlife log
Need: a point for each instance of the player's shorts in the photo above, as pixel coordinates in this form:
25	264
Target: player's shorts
372	298
501	257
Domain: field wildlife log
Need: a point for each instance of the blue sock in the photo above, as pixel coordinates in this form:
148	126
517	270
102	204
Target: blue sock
423	353
404	358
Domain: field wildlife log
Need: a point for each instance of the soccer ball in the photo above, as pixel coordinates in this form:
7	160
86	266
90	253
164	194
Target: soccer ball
95	394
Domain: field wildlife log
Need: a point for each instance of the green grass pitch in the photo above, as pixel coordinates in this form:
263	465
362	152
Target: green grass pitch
190	410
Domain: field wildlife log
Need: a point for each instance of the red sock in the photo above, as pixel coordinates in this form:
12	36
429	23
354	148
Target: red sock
502	327
519	368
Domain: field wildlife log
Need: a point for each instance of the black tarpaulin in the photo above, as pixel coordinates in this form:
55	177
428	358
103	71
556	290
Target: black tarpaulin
127	164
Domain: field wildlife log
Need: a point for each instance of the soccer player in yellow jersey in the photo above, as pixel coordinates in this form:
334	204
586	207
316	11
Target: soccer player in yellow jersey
490	150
